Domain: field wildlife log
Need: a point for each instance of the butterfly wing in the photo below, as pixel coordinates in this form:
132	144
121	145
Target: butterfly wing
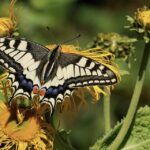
71	71
62	72
19	53
21	58
81	71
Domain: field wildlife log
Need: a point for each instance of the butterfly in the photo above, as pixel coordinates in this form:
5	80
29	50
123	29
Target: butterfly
51	74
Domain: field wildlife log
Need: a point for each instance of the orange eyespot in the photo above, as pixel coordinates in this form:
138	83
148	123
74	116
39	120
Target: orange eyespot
42	92
35	90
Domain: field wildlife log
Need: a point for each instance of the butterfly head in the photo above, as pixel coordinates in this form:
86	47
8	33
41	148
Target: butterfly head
54	52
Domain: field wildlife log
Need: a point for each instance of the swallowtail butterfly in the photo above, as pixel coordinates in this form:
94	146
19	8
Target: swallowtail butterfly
34	69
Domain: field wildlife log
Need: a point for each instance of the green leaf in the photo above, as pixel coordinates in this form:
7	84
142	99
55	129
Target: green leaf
138	138
62	141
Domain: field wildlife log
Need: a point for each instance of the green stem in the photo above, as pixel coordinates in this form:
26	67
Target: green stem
107	124
134	101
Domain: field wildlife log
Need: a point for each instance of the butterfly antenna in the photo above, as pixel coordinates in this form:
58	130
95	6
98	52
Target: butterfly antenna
51	34
70	40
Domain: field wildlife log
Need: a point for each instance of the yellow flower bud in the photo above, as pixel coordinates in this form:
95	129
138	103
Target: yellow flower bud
6	27
141	23
8	24
143	18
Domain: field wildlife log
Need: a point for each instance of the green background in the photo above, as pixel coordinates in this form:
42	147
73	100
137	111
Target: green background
55	21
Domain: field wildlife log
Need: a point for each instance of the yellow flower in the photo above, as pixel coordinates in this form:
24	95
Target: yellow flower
31	132
23	128
8	24
143	17
6	27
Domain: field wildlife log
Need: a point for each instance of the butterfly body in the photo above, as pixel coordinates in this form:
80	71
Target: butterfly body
51	74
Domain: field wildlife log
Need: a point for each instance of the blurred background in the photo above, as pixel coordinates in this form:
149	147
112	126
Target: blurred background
55	21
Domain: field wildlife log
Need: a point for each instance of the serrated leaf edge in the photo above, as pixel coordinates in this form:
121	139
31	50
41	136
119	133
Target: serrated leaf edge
136	145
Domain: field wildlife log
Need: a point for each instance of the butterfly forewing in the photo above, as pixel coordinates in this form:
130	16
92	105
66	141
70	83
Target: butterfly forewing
78	71
18	55
21	58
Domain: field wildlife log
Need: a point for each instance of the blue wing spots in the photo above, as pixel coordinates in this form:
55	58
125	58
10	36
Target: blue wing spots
20	77
53	92
60	89
30	85
25	84
49	91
